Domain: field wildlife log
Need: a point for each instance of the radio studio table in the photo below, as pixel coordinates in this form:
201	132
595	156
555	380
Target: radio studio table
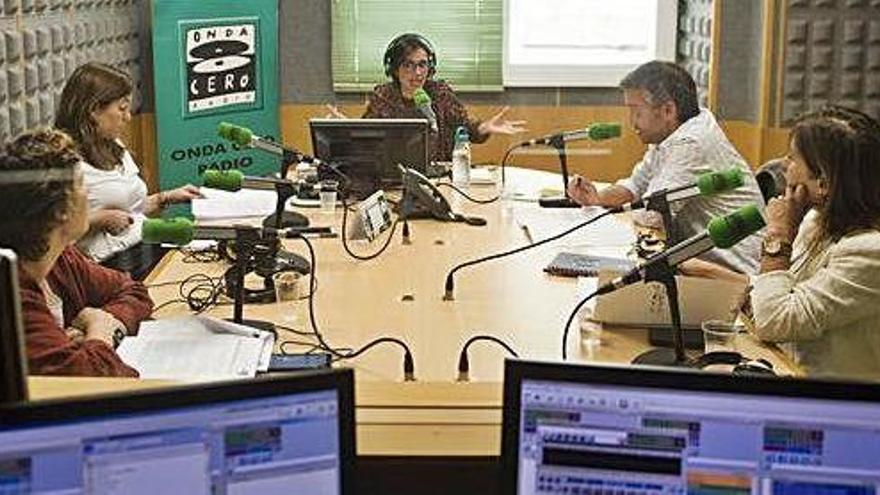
400	294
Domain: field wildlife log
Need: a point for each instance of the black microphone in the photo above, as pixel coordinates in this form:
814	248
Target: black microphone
707	184
599	131
244	137
180	231
423	104
234	180
723	232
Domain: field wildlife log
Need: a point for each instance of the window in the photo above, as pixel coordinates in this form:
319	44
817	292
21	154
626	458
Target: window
466	35
584	42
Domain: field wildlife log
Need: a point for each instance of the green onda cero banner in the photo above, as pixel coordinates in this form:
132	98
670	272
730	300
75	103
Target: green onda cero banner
214	61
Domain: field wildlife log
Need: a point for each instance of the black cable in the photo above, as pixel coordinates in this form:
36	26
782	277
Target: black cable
201	296
408	362
345	237
207	255
463	362
450	285
469	197
205	292
504	163
601	290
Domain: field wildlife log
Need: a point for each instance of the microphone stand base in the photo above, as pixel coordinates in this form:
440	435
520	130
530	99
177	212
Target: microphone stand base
660	356
561	202
289	219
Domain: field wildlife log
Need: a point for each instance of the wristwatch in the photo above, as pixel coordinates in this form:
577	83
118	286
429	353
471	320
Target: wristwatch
776	247
118	335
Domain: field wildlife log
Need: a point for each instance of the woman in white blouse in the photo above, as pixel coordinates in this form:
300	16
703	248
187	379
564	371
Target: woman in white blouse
818	292
95	110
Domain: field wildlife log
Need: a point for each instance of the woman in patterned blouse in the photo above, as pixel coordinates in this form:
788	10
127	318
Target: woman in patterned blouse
410	61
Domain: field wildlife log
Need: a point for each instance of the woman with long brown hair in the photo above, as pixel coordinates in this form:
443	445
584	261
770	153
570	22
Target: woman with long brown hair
818	292
95	110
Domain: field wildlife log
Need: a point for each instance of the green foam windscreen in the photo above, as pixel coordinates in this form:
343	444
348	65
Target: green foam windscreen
227	180
178	231
601	131
728	230
241	136
717	182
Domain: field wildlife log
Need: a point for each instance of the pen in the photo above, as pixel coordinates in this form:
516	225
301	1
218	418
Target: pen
321	235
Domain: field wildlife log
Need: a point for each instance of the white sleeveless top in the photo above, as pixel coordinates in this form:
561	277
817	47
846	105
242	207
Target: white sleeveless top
122	189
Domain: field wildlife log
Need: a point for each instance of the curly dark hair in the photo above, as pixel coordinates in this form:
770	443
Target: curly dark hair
842	147
665	81
91	87
37	173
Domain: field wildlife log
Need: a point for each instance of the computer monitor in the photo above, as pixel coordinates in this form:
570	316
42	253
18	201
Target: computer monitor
605	430
13	365
369	150
292	434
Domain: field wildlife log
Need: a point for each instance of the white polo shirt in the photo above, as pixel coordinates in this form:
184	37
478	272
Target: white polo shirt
699	146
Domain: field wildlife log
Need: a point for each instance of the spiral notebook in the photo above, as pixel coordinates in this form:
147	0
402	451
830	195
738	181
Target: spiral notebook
585	265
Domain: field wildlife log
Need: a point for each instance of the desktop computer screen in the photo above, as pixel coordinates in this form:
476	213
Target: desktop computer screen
293	434
13	365
368	151
603	430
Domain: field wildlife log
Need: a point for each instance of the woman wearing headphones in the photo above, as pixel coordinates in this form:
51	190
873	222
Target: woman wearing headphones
410	61
820	269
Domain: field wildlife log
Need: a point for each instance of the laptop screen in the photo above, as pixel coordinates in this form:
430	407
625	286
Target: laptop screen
287	438
595	430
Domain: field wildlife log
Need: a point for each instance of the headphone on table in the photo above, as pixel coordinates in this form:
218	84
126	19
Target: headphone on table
395	52
742	366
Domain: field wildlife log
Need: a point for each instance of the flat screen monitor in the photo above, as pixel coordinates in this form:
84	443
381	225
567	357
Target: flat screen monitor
603	430
292	434
368	151
13	365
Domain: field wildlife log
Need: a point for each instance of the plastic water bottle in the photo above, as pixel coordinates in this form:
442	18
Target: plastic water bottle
461	158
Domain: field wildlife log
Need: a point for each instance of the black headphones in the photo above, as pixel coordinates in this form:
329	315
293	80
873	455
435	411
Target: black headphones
395	52
742	366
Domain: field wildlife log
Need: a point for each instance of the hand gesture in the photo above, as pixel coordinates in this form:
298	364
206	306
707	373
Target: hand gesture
335	112
112	221
496	124
785	213
583	191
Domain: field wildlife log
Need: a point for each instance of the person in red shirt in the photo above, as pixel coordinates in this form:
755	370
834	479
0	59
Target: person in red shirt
75	311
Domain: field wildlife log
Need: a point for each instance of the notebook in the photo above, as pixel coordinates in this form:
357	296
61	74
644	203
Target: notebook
585	265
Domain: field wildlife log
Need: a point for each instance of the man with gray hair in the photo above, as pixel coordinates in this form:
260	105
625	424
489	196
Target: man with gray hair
684	141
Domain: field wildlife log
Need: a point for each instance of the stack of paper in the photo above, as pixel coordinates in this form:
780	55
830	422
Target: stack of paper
197	348
607	232
218	204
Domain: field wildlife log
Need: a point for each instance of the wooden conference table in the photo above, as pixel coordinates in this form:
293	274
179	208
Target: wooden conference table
399	294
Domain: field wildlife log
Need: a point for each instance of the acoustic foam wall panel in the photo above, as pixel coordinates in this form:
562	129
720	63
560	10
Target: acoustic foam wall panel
694	51
832	55
43	41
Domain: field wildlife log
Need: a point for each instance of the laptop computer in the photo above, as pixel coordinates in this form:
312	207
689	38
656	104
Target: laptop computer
645	306
286	434
595	430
